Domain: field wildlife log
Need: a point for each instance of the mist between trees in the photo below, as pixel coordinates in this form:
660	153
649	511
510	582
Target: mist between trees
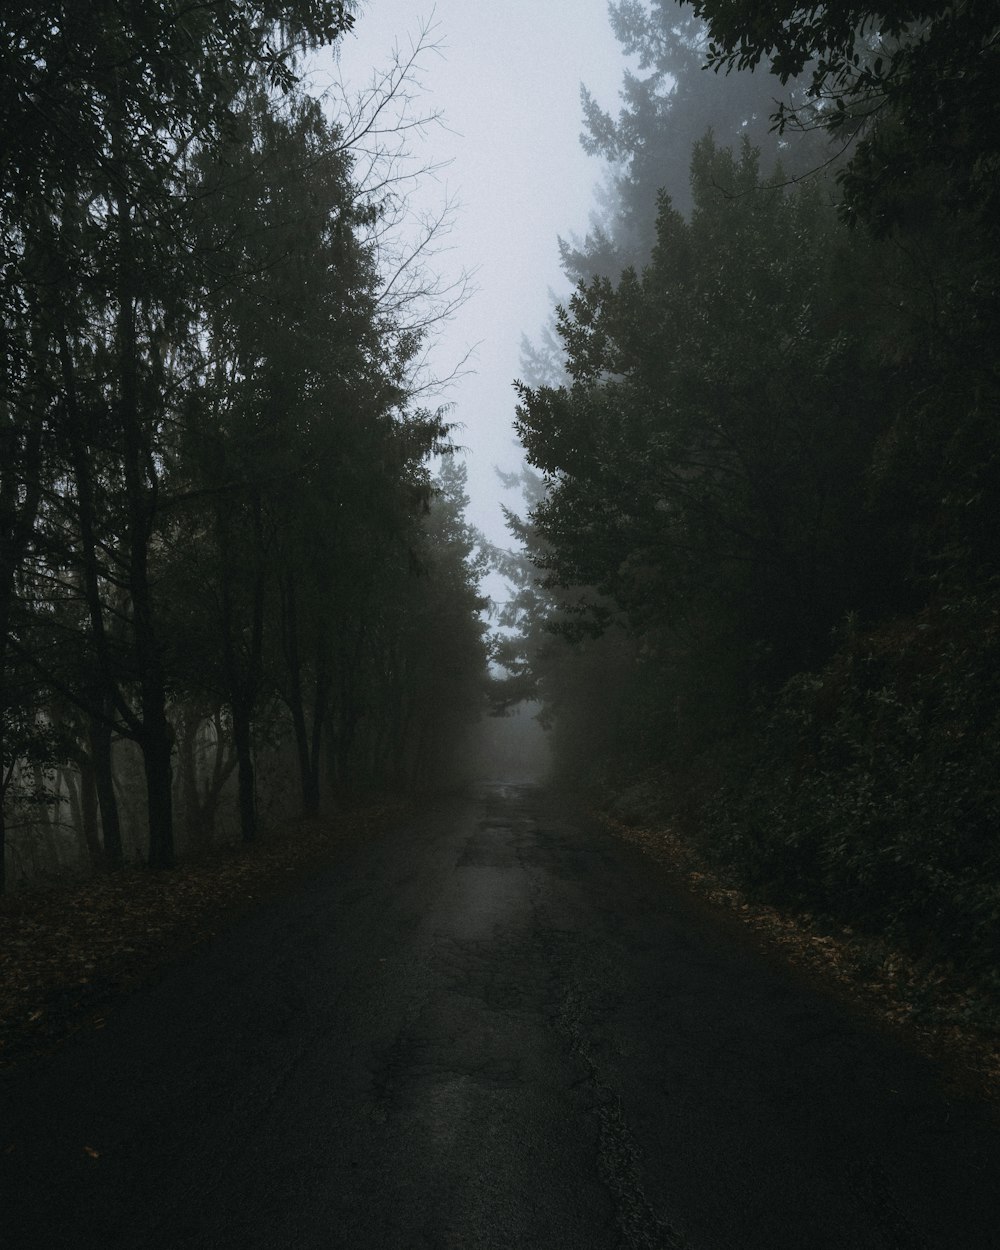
759	592
230	587
755	588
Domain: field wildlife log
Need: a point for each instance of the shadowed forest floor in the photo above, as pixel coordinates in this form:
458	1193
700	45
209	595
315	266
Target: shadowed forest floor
68	953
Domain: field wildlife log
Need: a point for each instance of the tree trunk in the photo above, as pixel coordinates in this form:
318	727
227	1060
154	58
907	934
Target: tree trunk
223	764
246	777
83	808
89	814
196	815
307	779
321	699
306	746
155	738
101	753
3	769
243	679
20	493
156	753
3	832
109	696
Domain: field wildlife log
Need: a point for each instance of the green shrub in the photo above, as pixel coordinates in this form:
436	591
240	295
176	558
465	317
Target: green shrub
871	790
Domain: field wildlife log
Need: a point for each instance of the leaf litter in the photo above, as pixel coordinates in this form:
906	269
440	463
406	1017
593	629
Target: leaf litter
926	1005
69	952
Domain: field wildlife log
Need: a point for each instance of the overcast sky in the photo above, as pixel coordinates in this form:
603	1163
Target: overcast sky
507	78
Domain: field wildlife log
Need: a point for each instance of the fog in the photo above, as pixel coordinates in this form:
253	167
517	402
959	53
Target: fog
513	748
506	80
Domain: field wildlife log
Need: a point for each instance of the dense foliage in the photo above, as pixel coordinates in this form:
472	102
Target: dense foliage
767	528
870	789
221	548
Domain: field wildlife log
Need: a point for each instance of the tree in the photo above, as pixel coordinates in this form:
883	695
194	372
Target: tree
705	465
917	86
668	105
23	402
218	487
445	651
295	372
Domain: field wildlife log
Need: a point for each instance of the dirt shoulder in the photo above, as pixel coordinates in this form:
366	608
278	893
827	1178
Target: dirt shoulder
926	1006
70	952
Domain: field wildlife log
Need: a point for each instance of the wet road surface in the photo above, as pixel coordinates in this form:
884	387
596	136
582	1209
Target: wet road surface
493	1026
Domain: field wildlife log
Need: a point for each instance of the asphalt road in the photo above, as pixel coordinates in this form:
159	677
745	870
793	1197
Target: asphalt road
493	1026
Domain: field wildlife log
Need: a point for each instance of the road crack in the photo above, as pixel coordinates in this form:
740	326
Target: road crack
619	1155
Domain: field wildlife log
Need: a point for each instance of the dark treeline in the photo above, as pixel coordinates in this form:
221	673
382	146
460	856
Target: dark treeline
223	559
765	497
